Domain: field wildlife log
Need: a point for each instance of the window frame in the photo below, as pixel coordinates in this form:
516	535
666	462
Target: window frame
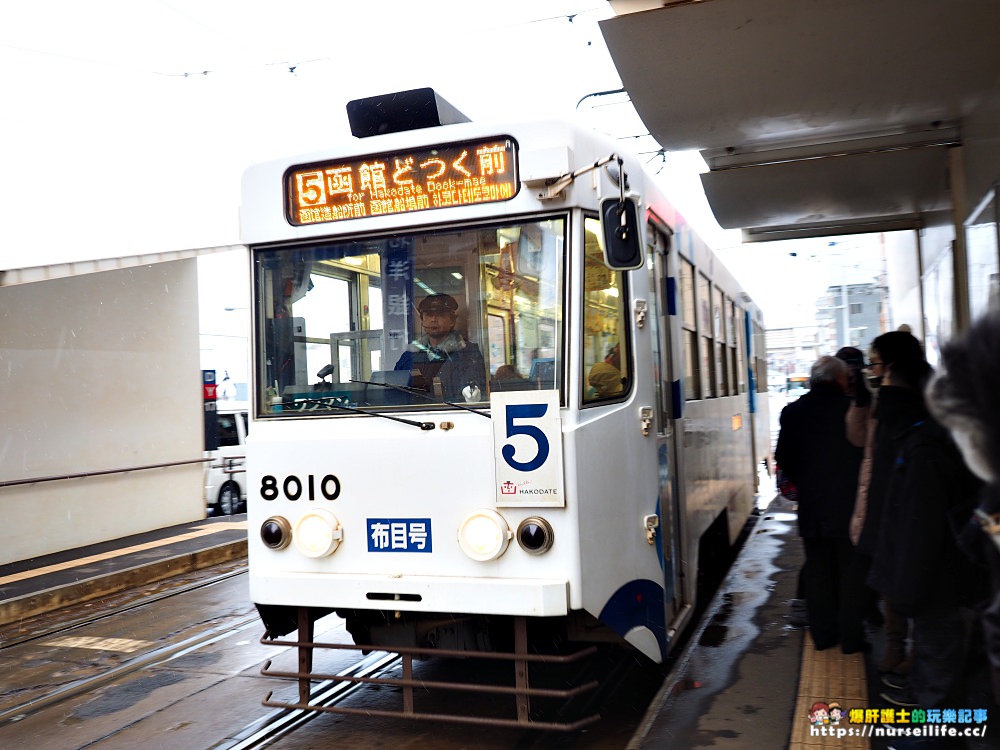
689	325
624	327
473	318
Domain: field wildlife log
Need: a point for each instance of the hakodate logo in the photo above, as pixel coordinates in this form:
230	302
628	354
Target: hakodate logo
525	488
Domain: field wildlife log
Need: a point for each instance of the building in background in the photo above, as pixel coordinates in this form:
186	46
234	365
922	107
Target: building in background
846	315
789	351
850	315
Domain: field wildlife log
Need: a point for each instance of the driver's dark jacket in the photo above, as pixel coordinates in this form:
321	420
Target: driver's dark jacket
455	361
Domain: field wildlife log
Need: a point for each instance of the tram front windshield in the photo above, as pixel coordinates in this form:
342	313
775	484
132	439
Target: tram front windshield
409	321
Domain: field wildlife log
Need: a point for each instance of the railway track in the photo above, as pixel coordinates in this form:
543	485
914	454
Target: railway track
37	632
279	724
146	660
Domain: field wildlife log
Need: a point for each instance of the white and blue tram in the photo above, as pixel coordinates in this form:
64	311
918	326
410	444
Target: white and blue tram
599	441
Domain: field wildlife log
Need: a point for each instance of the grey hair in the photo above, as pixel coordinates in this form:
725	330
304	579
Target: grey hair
965	397
827	370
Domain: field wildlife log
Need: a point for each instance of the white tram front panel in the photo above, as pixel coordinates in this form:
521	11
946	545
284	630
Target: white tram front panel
400	499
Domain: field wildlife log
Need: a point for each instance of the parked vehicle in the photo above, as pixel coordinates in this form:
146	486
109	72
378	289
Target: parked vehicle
797	385
225	473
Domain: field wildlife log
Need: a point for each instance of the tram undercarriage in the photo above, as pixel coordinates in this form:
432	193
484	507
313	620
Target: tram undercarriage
497	656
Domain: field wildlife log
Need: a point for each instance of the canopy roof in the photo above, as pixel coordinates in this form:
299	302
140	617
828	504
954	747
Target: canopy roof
820	116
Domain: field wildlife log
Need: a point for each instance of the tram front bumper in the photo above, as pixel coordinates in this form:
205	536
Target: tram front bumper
531	598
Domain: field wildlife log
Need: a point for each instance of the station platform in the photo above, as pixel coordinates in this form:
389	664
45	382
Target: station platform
33	587
750	678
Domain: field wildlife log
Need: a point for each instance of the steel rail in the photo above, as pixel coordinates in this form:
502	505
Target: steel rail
64	627
145	661
278	724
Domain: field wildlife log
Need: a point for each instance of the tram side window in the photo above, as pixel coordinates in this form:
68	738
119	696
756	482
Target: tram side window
692	375
656	262
719	329
741	377
705	328
606	372
759	348
733	339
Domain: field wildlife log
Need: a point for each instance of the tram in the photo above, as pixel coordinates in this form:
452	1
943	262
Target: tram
501	389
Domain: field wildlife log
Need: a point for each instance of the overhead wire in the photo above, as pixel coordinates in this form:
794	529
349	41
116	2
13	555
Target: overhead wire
292	65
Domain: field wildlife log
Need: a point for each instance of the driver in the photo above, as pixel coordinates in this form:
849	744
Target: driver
441	360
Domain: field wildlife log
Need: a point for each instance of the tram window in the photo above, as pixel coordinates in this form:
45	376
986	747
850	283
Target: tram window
733	339
703	293
606	372
759	348
441	310
740	346
329	309
656	264
719	329
692	377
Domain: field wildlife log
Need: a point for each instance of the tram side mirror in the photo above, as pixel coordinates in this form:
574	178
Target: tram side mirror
622	242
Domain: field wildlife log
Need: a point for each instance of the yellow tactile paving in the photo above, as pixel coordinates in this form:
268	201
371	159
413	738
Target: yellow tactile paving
829	676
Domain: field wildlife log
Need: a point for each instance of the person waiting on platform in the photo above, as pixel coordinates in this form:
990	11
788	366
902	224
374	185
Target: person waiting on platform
965	399
813	450
441	360
917	564
873	422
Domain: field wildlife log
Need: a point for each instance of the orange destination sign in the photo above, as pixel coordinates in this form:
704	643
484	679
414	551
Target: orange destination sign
444	176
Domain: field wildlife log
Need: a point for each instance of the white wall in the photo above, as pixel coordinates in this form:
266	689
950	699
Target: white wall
903	278
99	372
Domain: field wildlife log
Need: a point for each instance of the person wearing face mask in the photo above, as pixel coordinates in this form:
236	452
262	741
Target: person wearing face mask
901	349
919	485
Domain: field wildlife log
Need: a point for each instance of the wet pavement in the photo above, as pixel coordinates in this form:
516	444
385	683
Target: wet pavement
736	685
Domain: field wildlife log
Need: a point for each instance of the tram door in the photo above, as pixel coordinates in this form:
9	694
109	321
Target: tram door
671	521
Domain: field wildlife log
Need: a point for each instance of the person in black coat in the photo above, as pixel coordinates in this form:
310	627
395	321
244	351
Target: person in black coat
917	563
813	450
964	397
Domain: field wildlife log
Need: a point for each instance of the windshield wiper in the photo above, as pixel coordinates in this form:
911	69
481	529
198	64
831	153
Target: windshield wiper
425	396
365	412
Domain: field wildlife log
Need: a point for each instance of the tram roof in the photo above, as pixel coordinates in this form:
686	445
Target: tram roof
818	117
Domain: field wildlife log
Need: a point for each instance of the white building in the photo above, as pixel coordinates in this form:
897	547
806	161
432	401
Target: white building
101	401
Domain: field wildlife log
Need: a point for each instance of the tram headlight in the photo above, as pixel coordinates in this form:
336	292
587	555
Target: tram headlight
276	532
484	535
317	533
535	535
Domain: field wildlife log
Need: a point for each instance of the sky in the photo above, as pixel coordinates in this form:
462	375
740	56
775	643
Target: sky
131	121
128	123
